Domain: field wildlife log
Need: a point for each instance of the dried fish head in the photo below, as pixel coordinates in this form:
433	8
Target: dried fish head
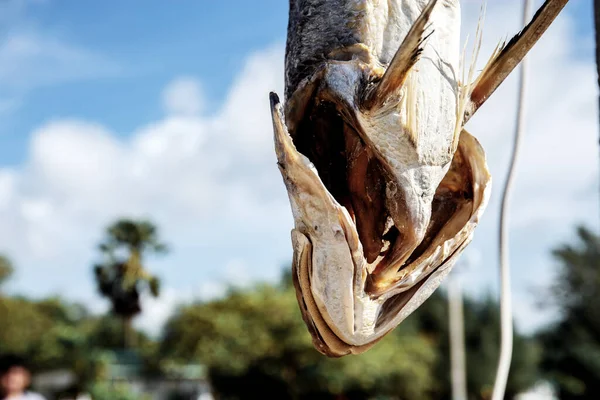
332	276
385	185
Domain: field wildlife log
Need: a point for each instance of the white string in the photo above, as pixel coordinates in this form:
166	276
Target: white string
506	315
458	374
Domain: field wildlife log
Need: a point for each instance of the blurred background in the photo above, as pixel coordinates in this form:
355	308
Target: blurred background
144	226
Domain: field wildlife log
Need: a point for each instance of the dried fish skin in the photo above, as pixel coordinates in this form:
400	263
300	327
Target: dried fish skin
320	30
402	137
362	164
385	185
330	271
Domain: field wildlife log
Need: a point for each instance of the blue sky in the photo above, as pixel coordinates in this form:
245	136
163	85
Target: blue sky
170	101
149	43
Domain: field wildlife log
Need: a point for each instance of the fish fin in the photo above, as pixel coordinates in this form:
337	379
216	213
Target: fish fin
405	58
509	55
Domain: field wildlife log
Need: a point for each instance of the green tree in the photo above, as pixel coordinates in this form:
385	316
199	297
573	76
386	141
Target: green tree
482	338
38	330
255	343
122	277
572	346
89	349
121	391
52	333
6	269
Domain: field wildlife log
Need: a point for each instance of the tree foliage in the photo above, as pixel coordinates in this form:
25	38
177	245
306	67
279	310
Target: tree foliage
482	339
122	391
6	269
255	342
256	338
572	346
35	330
52	334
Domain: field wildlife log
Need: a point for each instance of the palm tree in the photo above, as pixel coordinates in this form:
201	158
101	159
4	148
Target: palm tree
6	269
122	277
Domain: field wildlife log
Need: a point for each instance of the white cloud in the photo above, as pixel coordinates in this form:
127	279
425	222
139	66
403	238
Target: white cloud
212	185
183	96
207	182
158	310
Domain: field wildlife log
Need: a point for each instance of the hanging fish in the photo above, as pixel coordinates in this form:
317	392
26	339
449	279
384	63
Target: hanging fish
385	185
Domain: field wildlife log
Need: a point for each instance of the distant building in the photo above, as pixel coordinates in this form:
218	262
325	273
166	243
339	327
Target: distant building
187	381
50	382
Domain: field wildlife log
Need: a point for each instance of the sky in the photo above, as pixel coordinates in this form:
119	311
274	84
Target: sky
146	109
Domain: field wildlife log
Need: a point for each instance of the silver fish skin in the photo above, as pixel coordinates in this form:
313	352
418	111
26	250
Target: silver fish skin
351	42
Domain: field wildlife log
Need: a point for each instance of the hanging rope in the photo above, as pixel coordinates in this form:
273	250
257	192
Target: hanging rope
597	29
506	315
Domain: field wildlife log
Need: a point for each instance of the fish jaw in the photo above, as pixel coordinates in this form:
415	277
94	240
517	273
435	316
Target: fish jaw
331	275
414	159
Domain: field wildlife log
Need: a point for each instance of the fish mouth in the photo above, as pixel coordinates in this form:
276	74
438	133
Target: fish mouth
325	129
331	170
349	171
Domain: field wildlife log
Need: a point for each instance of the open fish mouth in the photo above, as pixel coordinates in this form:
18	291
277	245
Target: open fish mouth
352	284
